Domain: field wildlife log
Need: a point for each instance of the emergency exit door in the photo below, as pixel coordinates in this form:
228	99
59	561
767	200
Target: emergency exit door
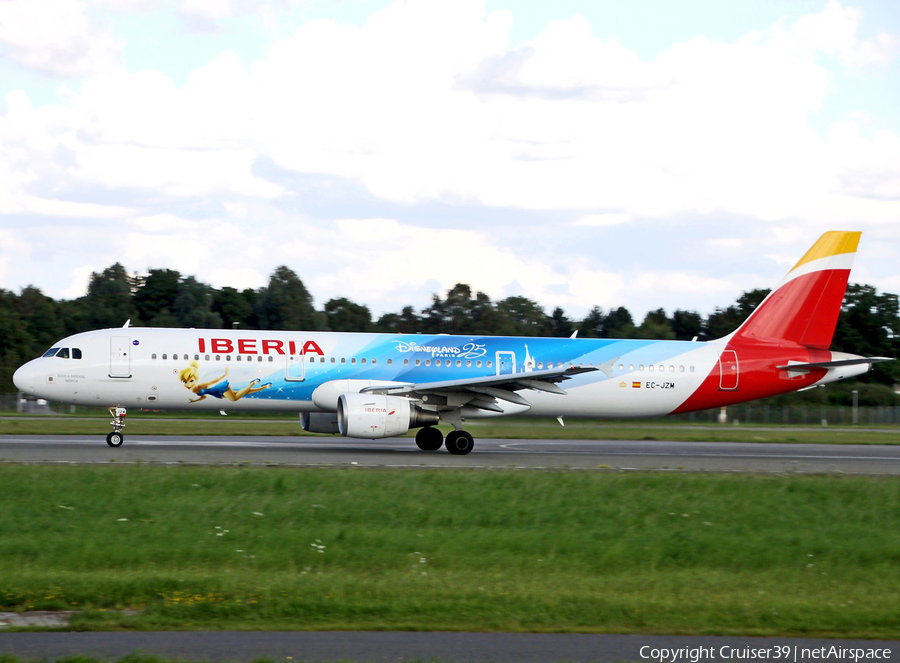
728	371
120	357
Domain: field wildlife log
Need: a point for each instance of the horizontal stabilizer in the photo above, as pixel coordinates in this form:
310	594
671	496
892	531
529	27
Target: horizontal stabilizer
835	364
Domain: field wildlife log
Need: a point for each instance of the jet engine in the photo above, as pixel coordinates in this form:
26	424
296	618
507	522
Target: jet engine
375	416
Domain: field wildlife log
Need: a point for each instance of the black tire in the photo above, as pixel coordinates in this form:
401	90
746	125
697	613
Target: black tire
115	439
429	439
459	442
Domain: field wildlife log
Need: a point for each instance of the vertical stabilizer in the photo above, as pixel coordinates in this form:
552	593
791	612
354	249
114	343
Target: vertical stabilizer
804	308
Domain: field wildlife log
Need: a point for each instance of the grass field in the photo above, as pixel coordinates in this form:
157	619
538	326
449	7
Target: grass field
435	550
507	428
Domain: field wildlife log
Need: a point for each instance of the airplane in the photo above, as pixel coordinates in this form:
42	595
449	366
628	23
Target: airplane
372	386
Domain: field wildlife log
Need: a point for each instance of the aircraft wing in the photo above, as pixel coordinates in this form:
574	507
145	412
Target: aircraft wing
483	393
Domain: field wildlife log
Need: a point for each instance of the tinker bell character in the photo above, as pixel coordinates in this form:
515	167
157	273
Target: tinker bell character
217	388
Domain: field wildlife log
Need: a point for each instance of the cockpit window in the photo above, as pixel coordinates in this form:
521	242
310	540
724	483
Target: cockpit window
76	353
63	353
51	352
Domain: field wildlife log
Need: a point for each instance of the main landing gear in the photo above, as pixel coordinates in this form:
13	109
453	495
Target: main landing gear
458	442
116	438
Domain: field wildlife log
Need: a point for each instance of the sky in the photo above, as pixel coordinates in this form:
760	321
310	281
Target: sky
579	153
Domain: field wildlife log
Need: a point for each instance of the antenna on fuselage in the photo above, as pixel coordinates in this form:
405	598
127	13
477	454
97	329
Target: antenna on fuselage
127	323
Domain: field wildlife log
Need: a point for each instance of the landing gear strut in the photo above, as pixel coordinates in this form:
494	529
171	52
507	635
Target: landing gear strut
116	438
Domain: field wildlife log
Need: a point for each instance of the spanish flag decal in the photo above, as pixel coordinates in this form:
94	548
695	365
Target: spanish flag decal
635	385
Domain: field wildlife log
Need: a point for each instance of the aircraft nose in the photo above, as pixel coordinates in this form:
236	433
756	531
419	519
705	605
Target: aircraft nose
23	378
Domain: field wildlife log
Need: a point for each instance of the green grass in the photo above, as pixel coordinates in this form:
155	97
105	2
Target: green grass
597	552
507	428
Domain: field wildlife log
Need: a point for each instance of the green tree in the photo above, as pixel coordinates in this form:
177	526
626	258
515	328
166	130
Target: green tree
686	324
405	322
286	303
593	325
233	307
41	318
193	305
724	321
560	325
460	313
342	315
16	344
655	326
619	324
523	317
154	299
108	302
869	325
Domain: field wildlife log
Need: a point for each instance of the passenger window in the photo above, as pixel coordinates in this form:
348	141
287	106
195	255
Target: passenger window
671	369
375	361
621	367
353	360
418	362
205	357
650	368
428	362
153	356
343	360
218	357
51	352
469	363
490	363
271	358
165	356
333	360
363	360
478	364
405	362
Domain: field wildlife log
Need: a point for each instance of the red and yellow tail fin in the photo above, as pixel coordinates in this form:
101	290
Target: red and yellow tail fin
804	308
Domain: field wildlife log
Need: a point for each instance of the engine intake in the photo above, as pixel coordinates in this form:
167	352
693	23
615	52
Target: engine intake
374	416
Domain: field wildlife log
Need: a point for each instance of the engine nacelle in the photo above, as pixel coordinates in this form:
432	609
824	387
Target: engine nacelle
374	416
319	422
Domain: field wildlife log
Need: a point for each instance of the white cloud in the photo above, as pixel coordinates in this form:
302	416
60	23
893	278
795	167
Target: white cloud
57	37
602	219
834	30
427	101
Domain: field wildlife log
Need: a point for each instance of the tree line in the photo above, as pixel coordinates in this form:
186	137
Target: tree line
31	321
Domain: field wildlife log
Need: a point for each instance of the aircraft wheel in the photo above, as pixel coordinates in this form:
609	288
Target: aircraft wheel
115	439
429	439
459	442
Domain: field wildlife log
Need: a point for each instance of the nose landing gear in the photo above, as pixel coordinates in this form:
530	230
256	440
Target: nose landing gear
116	438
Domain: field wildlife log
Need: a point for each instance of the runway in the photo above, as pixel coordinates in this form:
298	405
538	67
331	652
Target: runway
336	451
